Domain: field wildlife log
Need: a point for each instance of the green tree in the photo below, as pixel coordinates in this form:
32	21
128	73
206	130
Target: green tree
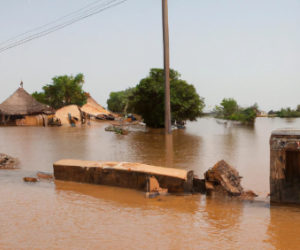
147	99
64	90
230	110
229	106
118	101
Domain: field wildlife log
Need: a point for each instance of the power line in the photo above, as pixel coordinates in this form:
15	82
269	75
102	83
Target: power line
52	22
85	14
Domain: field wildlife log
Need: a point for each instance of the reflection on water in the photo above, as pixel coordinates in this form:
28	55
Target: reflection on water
283	229
64	215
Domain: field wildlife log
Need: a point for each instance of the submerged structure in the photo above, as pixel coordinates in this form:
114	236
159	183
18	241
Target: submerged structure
125	174
285	166
23	110
95	111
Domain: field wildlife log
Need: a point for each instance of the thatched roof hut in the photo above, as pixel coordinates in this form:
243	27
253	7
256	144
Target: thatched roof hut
21	103
94	109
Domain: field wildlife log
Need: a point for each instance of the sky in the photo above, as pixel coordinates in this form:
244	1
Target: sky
248	50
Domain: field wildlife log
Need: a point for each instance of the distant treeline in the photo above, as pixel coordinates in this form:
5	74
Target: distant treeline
286	112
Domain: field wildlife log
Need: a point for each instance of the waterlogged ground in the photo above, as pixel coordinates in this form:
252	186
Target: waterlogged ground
64	215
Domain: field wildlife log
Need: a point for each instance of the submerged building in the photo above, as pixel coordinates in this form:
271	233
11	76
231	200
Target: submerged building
22	109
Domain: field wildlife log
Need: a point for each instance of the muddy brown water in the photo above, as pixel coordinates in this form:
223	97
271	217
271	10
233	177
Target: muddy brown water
64	215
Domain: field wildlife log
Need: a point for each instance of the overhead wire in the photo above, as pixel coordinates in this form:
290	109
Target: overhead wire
82	15
52	22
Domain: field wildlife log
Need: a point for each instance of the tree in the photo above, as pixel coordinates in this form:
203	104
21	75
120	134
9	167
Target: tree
118	101
230	110
229	106
147	99
64	90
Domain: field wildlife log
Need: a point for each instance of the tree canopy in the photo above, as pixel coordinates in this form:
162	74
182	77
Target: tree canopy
147	99
118	101
64	90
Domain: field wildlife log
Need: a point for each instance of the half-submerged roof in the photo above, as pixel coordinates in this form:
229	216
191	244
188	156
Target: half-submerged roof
93	108
22	103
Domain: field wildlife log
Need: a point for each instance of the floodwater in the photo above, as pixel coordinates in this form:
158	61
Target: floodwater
66	215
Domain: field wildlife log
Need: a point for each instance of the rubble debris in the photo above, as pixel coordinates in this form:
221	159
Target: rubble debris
209	186
248	195
45	176
30	179
117	129
223	178
8	162
153	188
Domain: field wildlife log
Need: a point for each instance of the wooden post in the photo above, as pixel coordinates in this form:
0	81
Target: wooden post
166	66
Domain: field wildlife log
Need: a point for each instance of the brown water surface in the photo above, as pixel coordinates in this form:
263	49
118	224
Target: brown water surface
65	215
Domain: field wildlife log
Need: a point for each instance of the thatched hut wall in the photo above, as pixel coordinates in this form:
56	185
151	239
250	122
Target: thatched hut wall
62	115
23	110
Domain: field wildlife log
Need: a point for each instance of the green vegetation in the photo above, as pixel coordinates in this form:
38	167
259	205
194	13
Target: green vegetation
64	90
147	99
288	113
230	110
118	101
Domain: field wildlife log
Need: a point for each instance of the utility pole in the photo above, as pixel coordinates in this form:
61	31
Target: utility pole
168	129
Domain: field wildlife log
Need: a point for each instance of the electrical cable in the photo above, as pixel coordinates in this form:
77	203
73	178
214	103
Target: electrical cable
85	14
52	22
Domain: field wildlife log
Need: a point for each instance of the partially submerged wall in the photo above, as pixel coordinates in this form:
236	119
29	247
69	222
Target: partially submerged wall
285	166
123	174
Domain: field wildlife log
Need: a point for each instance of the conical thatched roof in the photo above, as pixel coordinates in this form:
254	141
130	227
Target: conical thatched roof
22	103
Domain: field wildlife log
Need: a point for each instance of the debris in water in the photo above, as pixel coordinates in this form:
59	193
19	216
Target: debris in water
46	176
116	129
8	162
223	178
30	179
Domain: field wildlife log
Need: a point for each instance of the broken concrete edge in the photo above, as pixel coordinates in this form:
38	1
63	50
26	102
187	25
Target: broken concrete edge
127	166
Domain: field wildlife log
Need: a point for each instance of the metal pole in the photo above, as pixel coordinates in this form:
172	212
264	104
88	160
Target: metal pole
166	66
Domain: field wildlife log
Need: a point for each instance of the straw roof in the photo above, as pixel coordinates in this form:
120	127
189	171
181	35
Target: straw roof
22	103
93	108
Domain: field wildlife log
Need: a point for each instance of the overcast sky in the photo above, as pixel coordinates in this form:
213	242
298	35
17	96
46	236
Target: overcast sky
245	49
